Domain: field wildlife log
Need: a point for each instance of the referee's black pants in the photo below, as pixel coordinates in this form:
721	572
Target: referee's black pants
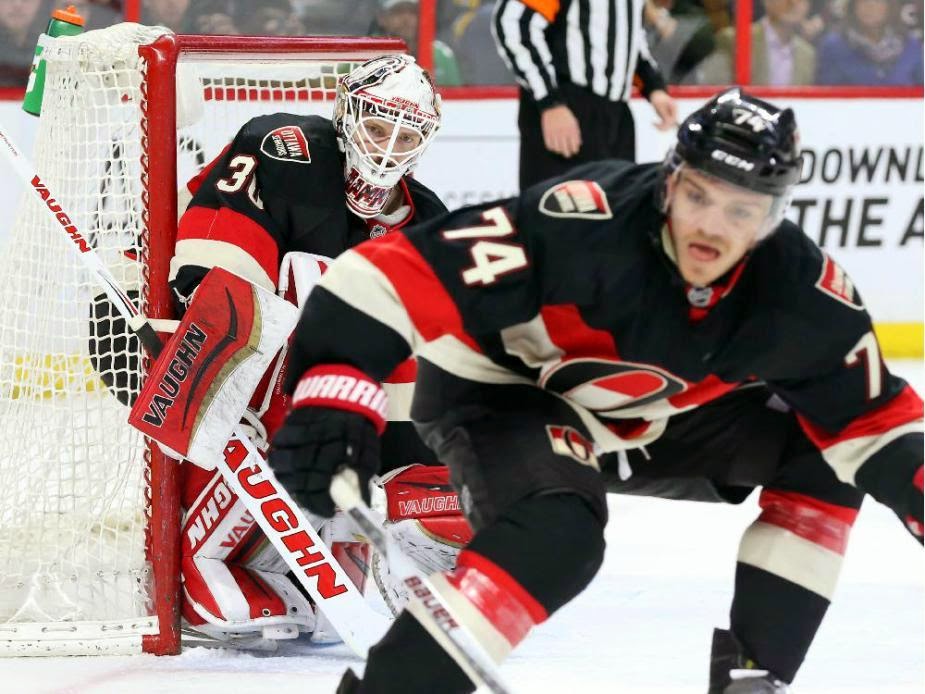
607	132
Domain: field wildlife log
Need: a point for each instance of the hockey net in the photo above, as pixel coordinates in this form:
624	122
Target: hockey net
89	511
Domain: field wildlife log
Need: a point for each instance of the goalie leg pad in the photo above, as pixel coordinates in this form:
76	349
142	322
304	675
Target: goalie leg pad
234	585
423	516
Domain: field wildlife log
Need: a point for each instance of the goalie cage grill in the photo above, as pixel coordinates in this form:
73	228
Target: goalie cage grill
89	511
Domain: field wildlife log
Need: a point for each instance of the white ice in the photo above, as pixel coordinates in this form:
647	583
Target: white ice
642	627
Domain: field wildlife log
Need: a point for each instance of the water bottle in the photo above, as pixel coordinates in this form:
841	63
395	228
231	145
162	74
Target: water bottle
66	22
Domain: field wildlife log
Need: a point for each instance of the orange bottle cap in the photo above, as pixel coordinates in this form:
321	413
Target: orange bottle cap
69	15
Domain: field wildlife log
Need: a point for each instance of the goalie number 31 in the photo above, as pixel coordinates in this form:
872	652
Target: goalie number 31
490	259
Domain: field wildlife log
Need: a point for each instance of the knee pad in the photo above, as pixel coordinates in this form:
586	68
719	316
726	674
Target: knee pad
552	544
235	588
535	558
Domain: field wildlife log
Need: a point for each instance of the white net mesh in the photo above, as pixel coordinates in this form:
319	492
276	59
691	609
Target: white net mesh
73	478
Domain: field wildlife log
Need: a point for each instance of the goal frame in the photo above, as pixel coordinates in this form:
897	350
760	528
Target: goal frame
159	228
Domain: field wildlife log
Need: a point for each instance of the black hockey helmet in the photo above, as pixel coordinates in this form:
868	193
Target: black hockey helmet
744	141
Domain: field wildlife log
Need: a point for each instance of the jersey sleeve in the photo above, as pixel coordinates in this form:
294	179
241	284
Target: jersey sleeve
845	398
461	276
226	222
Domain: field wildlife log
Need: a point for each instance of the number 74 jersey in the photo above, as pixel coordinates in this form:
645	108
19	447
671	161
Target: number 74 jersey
571	287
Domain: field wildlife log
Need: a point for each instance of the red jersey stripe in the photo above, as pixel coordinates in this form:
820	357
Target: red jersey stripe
702	392
229	226
405	372
430	307
568	331
904	408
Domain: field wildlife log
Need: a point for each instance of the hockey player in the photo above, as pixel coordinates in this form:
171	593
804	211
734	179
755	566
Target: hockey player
285	196
660	322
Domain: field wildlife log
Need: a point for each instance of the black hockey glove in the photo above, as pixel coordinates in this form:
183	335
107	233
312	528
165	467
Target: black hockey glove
337	415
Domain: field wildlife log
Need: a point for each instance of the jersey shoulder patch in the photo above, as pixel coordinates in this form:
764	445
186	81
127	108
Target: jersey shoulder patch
834	281
287	143
578	199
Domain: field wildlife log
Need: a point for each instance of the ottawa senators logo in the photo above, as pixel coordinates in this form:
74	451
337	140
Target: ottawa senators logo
287	143
568	441
836	283
576	200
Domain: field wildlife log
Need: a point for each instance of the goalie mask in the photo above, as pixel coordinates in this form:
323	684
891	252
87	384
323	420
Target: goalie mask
385	116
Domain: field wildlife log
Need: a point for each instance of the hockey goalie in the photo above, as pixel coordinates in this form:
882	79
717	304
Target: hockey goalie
288	193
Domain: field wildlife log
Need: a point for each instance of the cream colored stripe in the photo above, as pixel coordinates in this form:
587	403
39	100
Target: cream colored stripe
210	253
457	358
400	397
785	554
846	457
469	616
356	281
530	342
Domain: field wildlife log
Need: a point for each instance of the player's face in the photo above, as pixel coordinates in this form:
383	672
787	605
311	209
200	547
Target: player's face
713	224
378	132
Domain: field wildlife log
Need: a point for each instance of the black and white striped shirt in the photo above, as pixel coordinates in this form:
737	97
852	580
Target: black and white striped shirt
597	44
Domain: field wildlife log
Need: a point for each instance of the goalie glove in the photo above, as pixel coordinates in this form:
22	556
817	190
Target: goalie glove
337	415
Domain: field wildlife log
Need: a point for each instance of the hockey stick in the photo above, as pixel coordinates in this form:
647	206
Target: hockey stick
240	464
427	605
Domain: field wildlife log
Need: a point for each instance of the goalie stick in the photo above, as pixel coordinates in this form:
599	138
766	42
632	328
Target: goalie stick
426	605
240	464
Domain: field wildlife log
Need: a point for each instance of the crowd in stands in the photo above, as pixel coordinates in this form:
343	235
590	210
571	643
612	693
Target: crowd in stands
793	42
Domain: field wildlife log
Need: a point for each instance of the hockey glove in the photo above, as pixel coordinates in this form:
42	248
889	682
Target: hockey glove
337	416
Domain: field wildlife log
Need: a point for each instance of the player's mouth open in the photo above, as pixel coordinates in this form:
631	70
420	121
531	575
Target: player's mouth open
702	252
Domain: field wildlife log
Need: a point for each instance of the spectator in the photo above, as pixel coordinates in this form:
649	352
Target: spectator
479	61
680	35
269	18
910	16
168	13
21	22
576	73
780	56
454	16
216	17
400	18
335	17
97	14
869	48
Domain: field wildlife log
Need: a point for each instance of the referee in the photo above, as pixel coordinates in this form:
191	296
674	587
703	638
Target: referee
576	62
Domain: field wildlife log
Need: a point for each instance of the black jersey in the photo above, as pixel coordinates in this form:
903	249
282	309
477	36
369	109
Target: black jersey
278	187
570	287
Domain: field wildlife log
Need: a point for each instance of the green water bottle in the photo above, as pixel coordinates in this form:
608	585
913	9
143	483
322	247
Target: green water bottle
67	22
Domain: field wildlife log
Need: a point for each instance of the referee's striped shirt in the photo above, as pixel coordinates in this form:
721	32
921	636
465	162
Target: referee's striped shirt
597	44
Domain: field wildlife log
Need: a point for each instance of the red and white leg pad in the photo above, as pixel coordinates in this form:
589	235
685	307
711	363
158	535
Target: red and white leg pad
492	605
423	515
235	588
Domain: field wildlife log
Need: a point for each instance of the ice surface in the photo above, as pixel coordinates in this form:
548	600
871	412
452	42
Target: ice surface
642	627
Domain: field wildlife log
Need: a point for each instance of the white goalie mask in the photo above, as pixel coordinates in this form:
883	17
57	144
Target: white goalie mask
386	114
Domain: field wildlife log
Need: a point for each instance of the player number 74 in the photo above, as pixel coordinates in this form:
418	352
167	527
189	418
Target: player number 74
491	259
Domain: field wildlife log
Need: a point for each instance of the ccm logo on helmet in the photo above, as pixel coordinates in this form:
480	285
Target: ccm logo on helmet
732	160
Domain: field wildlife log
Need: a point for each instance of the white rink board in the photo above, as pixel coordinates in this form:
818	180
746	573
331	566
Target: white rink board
869	218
